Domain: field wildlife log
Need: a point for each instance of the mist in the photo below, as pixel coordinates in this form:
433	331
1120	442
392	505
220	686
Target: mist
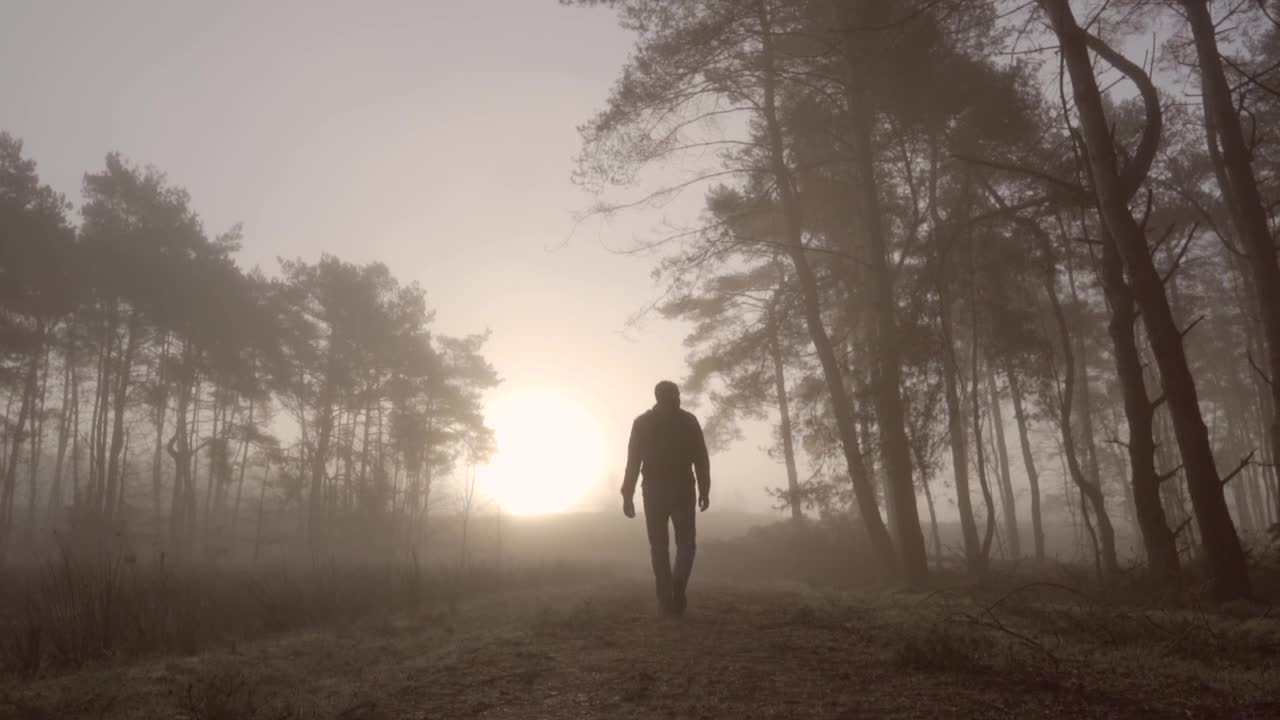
702	358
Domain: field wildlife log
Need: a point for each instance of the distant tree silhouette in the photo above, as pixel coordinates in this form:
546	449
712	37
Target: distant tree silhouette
136	339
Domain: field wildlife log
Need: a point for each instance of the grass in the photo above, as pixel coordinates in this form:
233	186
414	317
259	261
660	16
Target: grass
597	649
84	610
104	637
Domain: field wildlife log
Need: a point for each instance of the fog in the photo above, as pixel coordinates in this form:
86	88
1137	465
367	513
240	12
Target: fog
526	356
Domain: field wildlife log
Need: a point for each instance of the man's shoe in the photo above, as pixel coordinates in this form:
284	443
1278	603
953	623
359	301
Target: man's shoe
678	602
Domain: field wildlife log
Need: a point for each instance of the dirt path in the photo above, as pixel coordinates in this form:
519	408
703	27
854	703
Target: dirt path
601	652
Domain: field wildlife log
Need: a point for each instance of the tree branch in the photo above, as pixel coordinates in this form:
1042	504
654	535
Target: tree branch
1261	373
1181	526
1134	175
1193	325
1244	463
1182	252
1075	191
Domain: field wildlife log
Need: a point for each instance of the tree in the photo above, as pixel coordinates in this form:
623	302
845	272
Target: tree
144	326
714	59
1237	180
739	320
36	293
1113	188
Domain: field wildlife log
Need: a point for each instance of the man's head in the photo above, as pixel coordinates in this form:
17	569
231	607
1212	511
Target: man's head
667	394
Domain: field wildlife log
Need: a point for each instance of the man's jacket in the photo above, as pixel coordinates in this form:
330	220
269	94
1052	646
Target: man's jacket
668	448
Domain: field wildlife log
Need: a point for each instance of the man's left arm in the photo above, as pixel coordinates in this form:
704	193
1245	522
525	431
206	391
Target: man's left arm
701	465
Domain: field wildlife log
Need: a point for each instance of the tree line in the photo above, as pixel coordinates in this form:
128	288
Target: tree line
153	388
927	221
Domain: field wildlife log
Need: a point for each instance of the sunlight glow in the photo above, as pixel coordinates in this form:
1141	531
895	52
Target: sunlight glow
550	453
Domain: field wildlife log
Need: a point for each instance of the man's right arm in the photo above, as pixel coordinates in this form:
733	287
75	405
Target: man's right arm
634	454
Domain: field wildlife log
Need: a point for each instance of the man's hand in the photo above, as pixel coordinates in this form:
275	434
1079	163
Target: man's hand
628	507
704	502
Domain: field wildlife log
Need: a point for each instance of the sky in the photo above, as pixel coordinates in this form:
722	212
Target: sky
435	137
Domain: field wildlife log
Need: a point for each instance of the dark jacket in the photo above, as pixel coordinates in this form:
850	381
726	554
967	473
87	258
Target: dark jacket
667	446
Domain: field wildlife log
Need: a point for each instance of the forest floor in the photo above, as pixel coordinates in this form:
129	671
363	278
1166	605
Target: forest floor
600	651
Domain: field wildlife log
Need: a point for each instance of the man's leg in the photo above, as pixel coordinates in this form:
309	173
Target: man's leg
683	520
656	515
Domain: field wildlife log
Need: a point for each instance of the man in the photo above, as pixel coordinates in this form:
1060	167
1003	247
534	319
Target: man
667	446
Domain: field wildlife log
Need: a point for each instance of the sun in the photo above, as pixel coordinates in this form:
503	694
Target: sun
550	453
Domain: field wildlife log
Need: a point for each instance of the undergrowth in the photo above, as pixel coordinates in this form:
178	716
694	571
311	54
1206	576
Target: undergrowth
85	608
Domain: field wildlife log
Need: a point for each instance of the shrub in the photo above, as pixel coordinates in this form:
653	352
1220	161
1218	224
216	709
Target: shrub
944	648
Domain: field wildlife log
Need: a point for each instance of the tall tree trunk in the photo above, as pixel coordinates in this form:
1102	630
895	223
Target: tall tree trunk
365	485
1084	386
1226	561
192	500
6	437
157	455
1108	566
117	502
75	438
1157	539
426	478
1172	493
900	494
1239	486
319	460
214	472
244	464
399	501
413	491
120	402
380	459
8	489
350	499
934	536
1230	153
262	501
180	452
1028	461
1120	462
881	544
956	433
784	413
97	433
37	440
179	448
958	437
975	405
1270	486
1008	503
1260	392
65	428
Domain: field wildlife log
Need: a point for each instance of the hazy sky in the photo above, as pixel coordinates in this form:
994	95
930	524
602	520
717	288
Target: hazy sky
436	137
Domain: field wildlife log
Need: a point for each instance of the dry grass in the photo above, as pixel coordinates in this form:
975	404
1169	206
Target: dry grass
85	610
578	650
109	639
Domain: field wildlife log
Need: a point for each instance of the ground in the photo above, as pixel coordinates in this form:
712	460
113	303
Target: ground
600	651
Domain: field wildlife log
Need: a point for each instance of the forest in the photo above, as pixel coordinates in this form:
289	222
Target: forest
999	280
150	381
927	223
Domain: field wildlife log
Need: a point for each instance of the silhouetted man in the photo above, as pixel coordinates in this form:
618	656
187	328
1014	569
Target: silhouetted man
668	447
